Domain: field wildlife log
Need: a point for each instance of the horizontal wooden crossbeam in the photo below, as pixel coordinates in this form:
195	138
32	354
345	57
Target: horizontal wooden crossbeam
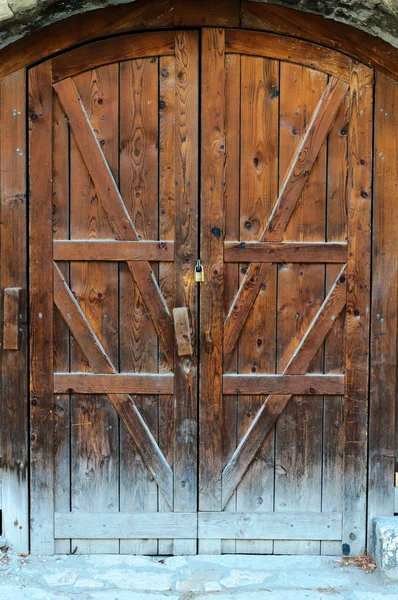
332	385
114	250
119	383
105	526
285	252
204	525
270	525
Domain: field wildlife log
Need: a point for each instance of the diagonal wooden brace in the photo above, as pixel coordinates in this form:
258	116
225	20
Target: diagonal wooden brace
124	405
273	406
296	179
115	209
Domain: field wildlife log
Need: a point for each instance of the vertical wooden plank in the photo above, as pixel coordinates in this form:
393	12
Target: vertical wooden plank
41	311
358	309
14	384
62	475
94	459
258	191
231	200
166	270
211	304
138	338
11	311
186	253
382	417
300	294
333	406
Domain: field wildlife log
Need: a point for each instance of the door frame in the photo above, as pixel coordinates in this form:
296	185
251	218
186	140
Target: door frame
58	38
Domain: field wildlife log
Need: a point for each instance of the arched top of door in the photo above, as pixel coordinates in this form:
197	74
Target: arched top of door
237	41
320	40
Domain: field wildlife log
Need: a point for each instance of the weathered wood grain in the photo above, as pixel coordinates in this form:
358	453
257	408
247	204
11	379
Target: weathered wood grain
274	405
285	252
79	326
258	188
295	180
121	383
186	131
98	360
167	83
382	432
11	311
231	217
301	290
62	346
112	250
284	384
358	309
308	151
94	422
183	331
270	525
139	134
288	49
211	315
14	381
125	525
105	52
115	208
334	353
158	140
41	312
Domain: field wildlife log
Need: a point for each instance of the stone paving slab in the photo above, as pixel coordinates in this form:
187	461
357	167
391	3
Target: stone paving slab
240	577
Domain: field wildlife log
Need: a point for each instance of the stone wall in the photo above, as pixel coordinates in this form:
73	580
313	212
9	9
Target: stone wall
378	17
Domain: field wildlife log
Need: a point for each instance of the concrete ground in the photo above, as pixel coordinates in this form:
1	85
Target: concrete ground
242	577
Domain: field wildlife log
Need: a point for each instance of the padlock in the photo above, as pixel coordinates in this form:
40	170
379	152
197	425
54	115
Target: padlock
199	272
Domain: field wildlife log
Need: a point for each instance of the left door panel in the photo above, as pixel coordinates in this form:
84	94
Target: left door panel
113	244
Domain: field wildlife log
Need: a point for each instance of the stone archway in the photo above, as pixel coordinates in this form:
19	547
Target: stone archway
19	18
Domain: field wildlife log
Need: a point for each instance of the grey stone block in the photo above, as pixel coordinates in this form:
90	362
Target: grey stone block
386	546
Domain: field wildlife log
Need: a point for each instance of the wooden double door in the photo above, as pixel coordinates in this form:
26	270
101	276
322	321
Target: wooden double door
236	423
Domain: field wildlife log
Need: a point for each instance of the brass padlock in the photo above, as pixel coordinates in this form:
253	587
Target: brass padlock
199	272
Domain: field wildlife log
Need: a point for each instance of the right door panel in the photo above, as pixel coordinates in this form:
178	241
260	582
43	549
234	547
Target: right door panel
285	242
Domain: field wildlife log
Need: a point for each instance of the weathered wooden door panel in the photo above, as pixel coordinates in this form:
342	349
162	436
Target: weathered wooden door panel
122	128
294	127
285	165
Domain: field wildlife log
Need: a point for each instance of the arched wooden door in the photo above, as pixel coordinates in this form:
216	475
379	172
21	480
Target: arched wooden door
282	230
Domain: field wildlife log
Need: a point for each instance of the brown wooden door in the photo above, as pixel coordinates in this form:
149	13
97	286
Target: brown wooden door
285	240
282	338
113	232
